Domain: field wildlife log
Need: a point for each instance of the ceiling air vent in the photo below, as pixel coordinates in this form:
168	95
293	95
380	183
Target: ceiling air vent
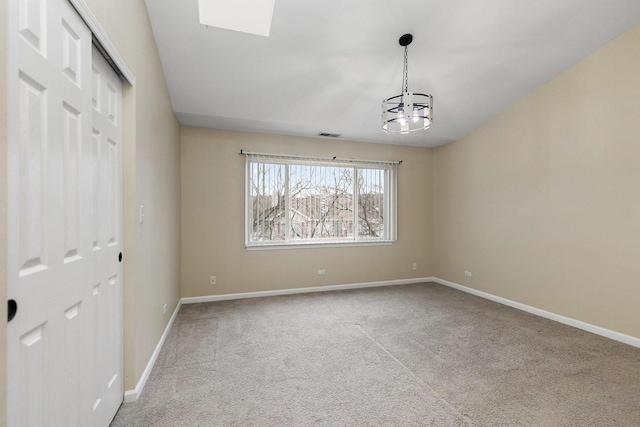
329	135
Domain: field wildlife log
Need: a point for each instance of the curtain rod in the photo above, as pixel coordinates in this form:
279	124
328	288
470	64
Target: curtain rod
326	159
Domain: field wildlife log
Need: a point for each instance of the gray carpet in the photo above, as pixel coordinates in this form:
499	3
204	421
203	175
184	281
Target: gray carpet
414	355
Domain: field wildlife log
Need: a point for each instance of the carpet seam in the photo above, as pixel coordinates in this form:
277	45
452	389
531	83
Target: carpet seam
433	391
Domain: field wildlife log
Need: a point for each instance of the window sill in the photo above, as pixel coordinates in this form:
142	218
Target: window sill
317	245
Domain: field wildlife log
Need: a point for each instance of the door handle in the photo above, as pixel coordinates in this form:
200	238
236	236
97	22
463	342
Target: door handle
120	257
12	308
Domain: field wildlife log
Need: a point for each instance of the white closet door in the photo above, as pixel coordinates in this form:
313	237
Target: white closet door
106	239
65	341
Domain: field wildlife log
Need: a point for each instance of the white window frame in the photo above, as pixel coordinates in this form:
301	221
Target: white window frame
390	202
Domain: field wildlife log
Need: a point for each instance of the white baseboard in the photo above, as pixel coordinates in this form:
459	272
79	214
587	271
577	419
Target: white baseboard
608	333
224	297
133	395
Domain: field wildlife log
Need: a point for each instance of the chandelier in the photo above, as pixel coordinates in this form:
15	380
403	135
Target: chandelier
409	111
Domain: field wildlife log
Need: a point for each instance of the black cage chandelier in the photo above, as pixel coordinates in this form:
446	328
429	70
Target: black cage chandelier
409	111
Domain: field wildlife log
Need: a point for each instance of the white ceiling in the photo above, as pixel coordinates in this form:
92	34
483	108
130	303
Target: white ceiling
327	65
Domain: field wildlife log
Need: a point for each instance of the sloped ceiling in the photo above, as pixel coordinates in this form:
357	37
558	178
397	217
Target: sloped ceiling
327	65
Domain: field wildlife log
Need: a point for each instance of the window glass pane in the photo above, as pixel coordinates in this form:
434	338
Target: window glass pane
321	205
371	204
267	201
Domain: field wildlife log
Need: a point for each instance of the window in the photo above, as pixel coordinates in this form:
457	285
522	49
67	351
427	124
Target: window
294	200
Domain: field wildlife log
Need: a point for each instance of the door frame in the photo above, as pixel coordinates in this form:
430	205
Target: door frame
104	43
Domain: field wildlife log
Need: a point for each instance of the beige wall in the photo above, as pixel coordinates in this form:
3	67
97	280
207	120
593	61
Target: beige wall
151	178
3	211
213	218
542	203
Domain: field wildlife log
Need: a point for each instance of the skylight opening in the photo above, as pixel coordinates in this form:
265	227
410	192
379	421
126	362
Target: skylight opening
248	16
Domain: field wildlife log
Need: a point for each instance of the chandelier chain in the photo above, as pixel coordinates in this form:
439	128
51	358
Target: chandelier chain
406	70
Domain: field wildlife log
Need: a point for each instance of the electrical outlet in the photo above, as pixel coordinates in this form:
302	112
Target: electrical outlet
164	309
320	272
467	273
415	265
213	280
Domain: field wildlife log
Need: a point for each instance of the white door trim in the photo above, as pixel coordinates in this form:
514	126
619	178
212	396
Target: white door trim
101	35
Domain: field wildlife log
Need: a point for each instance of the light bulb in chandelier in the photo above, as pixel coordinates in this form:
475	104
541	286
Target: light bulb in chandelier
401	118
409	111
416	115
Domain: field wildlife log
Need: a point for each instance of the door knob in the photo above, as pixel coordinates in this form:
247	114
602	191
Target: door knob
12	308
120	257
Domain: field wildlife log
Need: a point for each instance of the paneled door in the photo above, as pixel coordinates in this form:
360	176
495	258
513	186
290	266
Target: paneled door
105	336
64	221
